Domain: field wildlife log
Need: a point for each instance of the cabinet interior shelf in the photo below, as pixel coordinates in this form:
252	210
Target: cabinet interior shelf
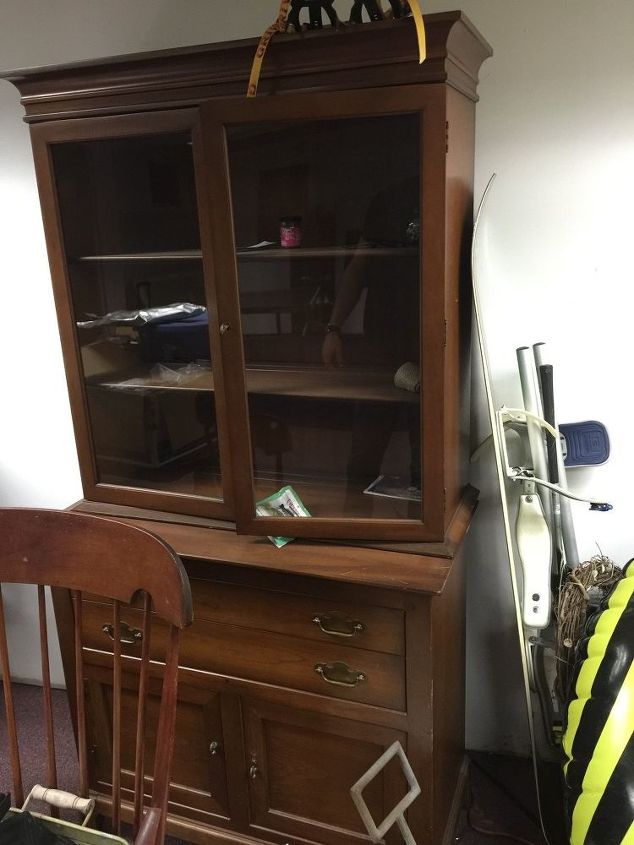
274	253
348	385
167	255
265	254
324	497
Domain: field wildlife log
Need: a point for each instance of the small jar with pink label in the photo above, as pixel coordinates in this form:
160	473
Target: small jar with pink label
290	232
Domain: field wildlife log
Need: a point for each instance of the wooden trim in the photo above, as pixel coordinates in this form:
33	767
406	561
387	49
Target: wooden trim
116	719
433	315
418	568
114	126
222	264
456	532
213	293
457	291
448	646
233	739
353	57
324	560
421	743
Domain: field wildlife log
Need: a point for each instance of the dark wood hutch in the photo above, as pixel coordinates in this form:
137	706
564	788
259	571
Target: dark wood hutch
210	363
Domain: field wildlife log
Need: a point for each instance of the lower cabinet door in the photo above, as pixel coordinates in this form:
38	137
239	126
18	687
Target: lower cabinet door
301	766
198	788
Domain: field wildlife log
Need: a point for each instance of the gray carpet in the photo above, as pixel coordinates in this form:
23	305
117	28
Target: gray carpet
29	714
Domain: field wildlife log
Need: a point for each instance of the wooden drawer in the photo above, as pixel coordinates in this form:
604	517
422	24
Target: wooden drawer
313	618
326	668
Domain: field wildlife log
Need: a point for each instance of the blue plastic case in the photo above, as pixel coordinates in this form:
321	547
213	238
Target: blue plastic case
584	443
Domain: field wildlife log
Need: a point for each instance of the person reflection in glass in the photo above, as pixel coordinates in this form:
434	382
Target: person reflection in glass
388	273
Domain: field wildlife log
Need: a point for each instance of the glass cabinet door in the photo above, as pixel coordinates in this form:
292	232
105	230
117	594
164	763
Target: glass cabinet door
327	246
128	212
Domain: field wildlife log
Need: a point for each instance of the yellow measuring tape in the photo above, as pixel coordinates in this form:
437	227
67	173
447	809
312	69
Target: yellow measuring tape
417	14
280	25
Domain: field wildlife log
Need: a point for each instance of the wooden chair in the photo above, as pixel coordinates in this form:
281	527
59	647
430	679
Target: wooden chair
94	555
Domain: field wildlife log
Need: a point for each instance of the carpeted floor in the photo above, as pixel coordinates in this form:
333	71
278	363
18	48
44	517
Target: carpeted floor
30	718
500	806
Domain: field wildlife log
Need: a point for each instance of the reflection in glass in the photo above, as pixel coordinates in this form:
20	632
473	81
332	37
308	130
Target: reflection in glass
329	320
130	225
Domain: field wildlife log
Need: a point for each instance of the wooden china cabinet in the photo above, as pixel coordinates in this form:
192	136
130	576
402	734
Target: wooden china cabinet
255	293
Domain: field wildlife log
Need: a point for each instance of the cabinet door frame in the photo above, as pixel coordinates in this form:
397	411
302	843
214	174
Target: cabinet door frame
96	129
186	800
429	101
266	819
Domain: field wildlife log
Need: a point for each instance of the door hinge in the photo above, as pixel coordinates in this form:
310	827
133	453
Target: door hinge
447	136
444	336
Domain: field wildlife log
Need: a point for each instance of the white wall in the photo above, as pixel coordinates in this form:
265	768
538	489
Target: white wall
555	121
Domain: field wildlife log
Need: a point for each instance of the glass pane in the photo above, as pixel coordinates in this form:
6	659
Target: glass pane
130	224
326	217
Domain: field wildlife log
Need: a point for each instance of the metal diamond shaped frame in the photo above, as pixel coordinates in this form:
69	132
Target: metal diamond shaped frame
397	815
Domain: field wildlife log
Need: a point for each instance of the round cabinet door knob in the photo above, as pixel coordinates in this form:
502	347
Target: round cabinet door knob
225	327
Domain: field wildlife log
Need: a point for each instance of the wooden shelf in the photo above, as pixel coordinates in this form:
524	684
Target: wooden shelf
335	499
192	483
275	253
324	499
321	383
264	254
170	255
345	384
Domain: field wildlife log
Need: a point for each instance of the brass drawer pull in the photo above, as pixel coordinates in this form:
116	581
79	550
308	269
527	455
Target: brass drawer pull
214	748
338	625
339	674
127	635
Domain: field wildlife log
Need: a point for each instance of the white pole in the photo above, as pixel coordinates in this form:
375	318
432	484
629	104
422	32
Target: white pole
533	403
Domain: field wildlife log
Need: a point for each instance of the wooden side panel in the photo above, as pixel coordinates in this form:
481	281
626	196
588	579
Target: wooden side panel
448	648
458	226
421	746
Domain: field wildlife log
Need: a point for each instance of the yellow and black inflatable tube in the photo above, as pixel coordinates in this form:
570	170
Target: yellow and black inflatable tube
599	738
